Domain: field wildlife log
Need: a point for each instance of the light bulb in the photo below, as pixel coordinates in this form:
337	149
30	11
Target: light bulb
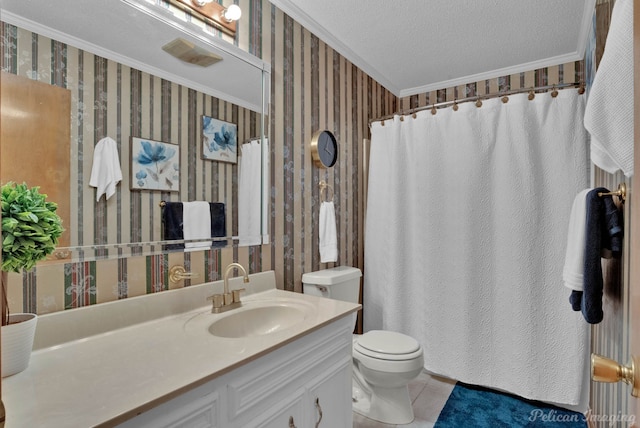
232	13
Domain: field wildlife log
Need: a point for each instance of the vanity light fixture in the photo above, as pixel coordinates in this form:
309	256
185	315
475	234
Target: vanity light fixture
220	17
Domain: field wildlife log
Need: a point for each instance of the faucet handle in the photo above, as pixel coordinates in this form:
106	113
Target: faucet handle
218	300
236	294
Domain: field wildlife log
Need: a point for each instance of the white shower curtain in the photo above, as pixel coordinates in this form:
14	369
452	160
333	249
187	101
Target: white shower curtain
465	240
249	194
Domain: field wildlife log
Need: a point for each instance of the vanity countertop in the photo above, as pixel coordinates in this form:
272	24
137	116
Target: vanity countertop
91	375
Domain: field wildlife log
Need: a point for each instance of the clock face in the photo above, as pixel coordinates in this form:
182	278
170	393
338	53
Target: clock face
324	149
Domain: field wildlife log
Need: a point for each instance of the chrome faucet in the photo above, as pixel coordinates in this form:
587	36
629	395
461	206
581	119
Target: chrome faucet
228	300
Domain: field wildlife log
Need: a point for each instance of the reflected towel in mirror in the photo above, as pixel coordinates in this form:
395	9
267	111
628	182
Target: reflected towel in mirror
105	172
173	223
196	224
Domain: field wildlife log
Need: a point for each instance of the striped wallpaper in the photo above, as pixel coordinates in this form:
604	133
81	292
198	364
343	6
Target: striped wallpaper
312	87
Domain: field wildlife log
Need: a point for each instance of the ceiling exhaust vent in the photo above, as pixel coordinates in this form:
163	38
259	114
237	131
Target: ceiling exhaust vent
188	52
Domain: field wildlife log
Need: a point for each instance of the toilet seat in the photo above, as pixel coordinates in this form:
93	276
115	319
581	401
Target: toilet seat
387	345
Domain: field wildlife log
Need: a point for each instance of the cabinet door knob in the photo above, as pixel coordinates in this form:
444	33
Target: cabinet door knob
319	412
292	424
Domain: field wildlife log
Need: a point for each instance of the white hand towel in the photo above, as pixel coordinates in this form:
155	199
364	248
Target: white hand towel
609	112
572	273
105	172
196	219
328	234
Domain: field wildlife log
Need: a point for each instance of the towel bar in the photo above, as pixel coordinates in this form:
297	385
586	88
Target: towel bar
620	193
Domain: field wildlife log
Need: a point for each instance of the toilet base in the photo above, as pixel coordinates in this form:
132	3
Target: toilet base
387	405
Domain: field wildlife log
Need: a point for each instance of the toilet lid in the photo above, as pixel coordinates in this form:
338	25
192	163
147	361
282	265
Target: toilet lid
386	344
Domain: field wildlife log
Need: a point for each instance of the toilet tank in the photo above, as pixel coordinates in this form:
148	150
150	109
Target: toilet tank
340	283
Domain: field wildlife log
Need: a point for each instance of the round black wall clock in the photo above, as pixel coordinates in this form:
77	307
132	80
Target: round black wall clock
324	149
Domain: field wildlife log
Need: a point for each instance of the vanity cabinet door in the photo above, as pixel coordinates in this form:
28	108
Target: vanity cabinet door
191	410
288	413
328	399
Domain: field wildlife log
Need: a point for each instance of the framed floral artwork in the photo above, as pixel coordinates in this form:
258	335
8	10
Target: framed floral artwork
155	165
219	140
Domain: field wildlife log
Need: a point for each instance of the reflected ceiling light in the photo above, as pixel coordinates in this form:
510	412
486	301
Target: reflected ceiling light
232	13
213	13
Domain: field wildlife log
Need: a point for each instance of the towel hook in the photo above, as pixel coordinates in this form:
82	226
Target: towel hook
620	193
323	187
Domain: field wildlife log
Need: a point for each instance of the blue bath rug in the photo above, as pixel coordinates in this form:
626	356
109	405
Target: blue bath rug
473	406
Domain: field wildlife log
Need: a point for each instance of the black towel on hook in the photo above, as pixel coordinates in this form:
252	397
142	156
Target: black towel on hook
603	230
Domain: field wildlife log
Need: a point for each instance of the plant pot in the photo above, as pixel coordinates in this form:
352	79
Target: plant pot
17	342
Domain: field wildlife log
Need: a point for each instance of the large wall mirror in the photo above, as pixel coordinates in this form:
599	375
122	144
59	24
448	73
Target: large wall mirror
122	84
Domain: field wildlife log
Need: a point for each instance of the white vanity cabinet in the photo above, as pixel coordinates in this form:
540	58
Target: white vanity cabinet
305	381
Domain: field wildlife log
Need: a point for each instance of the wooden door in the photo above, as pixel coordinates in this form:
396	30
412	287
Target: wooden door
35	120
35	135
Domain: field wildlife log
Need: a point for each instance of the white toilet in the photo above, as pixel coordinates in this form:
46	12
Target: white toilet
384	362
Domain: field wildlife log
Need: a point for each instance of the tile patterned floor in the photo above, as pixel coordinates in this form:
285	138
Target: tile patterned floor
428	392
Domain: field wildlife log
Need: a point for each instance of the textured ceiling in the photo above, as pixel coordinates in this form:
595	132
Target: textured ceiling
409	46
415	46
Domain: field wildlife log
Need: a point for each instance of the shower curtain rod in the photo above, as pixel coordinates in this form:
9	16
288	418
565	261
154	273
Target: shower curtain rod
478	99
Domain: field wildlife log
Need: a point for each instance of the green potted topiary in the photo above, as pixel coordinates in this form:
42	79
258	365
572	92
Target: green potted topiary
30	232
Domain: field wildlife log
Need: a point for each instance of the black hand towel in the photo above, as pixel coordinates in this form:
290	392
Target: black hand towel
172	224
218	223
603	229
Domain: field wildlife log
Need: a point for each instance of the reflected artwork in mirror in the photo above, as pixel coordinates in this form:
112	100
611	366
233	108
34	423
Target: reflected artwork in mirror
130	98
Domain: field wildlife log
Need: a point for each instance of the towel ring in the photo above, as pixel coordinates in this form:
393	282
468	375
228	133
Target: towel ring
323	187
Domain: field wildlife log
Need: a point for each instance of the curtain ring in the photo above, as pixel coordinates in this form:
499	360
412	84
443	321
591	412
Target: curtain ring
532	94
401	118
382	123
581	89
434	110
554	92
505	99
414	115
455	106
479	103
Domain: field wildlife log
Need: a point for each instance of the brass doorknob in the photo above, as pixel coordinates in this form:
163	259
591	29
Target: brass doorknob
607	370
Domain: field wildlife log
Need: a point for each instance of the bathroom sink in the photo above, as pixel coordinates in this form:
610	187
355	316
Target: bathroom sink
258	320
259	316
